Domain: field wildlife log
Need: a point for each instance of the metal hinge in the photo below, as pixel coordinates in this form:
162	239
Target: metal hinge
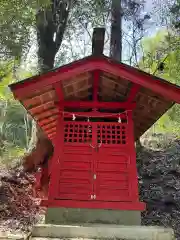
93	196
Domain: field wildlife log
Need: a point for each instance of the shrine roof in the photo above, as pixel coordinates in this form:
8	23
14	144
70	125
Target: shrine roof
40	94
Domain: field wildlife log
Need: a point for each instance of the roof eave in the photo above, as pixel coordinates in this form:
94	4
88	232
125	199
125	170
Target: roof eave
166	89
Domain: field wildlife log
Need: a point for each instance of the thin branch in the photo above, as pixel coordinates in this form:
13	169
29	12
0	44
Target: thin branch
161	62
85	29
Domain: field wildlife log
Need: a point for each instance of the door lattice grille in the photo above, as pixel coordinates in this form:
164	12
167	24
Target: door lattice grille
111	134
106	133
77	133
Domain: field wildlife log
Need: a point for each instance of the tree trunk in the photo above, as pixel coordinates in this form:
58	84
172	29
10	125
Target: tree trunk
116	30
50	25
116	35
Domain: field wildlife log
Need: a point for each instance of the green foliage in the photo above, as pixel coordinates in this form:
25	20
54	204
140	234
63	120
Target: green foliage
15	125
6	77
16	18
10	153
154	50
165	48
14	128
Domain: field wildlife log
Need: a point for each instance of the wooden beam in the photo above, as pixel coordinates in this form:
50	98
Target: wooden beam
45	114
133	92
59	91
45	106
95	114
51	130
124	205
96	78
46	117
96	104
45	122
44	95
50	125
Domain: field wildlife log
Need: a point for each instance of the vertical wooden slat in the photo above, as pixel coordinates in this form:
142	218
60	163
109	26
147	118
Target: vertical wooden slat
133	177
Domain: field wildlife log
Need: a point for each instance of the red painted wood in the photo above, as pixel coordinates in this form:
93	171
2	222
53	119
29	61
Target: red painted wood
59	92
133	206
159	86
75	157
51	130
96	104
133	92
108	168
133	168
45	122
113	160
39	81
168	90
96	114
95	160
75	174
55	161
96	85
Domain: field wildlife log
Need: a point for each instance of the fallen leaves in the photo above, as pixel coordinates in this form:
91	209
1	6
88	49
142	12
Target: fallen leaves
19	207
159	182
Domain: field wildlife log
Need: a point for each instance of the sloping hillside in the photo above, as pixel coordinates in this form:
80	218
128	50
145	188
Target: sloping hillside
19	208
159	181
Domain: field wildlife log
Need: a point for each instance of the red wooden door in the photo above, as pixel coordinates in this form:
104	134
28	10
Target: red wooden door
112	175
76	162
112	163
95	162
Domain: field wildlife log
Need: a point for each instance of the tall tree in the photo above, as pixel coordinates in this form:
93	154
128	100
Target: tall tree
51	23
125	10
126	15
116	30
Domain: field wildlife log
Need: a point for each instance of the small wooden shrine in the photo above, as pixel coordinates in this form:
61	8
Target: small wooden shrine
93	110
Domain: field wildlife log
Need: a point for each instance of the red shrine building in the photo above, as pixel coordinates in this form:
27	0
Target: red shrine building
93	110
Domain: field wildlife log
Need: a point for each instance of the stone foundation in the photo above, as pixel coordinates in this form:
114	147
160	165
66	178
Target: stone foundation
100	216
100	232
